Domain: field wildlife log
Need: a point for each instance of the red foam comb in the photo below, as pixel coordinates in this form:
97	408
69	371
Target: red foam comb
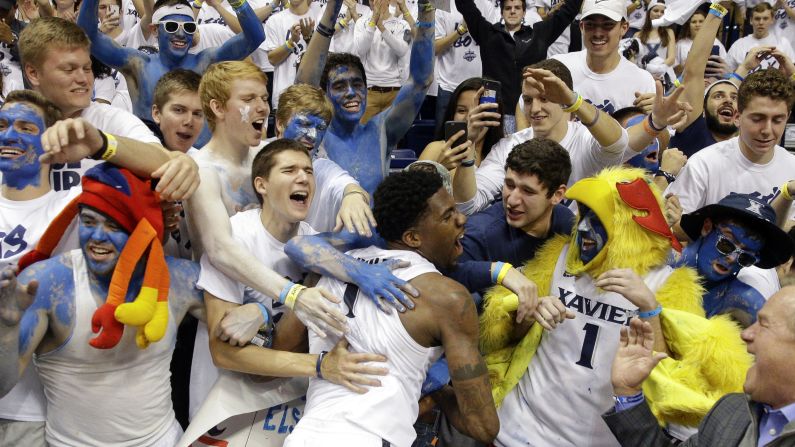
639	196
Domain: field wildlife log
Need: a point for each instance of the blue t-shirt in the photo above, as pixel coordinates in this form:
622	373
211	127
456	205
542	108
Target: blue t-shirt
488	238
694	138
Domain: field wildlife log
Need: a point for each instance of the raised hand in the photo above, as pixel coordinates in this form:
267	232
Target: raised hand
70	140
635	358
295	33
14	297
673	209
481	117
673	160
550	86
756	55
355	214
307	28
450	157
668	110
351	370
179	177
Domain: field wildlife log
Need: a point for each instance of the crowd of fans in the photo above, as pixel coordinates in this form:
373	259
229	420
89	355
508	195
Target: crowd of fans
209	237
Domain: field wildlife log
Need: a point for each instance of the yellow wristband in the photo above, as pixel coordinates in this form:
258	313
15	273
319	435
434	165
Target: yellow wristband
371	24
292	295
111	149
785	192
576	106
503	272
290	44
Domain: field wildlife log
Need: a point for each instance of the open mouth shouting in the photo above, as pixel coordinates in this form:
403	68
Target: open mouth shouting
258	125
720	268
300	198
100	251
726	113
459	248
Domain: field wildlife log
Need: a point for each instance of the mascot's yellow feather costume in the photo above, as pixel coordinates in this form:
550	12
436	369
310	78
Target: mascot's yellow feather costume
708	356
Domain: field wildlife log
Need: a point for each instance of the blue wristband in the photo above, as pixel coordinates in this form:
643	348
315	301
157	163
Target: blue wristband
265	315
736	76
285	291
652	313
319	363
425	24
495	271
627	402
716	13
468	163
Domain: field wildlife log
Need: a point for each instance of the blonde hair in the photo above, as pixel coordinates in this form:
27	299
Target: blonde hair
49	33
217	82
305	98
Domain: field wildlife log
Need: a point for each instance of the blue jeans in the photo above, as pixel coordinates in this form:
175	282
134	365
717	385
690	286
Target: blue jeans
426	433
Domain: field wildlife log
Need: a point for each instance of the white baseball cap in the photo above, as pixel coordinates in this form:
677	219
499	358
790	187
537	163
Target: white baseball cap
613	9
654	3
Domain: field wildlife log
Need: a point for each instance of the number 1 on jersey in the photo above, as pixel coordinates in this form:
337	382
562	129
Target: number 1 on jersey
588	345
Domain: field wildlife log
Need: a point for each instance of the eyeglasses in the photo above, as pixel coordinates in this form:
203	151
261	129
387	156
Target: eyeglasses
172	26
727	247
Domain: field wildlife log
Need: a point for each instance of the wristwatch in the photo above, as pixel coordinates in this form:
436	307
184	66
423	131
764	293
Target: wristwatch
670	178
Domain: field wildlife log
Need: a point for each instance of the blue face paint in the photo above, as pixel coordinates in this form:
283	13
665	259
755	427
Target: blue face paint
174	46
101	240
348	93
712	265
307	129
648	158
591	235
21	127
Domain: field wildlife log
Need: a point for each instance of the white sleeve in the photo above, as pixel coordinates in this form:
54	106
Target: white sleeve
399	39
490	176
272	37
690	186
765	281
733	57
105	89
119	122
218	284
363	35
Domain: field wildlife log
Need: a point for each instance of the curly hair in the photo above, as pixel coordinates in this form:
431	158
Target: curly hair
767	83
401	200
543	158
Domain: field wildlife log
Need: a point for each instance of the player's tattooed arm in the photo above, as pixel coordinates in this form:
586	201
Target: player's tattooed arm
468	403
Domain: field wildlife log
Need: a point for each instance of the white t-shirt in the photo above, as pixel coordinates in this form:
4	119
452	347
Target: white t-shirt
462	60
607	91
637	18
131	17
742	46
715	171
109	119
248	230
785	26
22	223
561	45
384	55
587	158
342	42
278	29
683	49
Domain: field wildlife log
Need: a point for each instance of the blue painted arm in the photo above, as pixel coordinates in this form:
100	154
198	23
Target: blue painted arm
399	117
241	45
474	275
322	254
103	47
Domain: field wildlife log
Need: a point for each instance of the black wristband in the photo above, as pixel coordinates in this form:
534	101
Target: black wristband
98	154
324	31
670	178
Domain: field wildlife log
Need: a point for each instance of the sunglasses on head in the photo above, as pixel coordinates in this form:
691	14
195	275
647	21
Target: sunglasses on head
172	26
727	247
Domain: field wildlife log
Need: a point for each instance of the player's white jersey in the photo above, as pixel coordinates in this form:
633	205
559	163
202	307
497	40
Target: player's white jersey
387	412
560	399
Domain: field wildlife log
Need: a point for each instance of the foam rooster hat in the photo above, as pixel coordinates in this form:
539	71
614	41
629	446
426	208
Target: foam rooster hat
131	202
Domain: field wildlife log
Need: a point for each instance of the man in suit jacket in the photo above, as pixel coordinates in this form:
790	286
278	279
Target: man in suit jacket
764	416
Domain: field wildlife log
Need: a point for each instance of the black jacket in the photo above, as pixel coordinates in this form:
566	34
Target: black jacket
503	56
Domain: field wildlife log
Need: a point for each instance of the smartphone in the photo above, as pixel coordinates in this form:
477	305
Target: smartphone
491	91
715	51
113	9
453	127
